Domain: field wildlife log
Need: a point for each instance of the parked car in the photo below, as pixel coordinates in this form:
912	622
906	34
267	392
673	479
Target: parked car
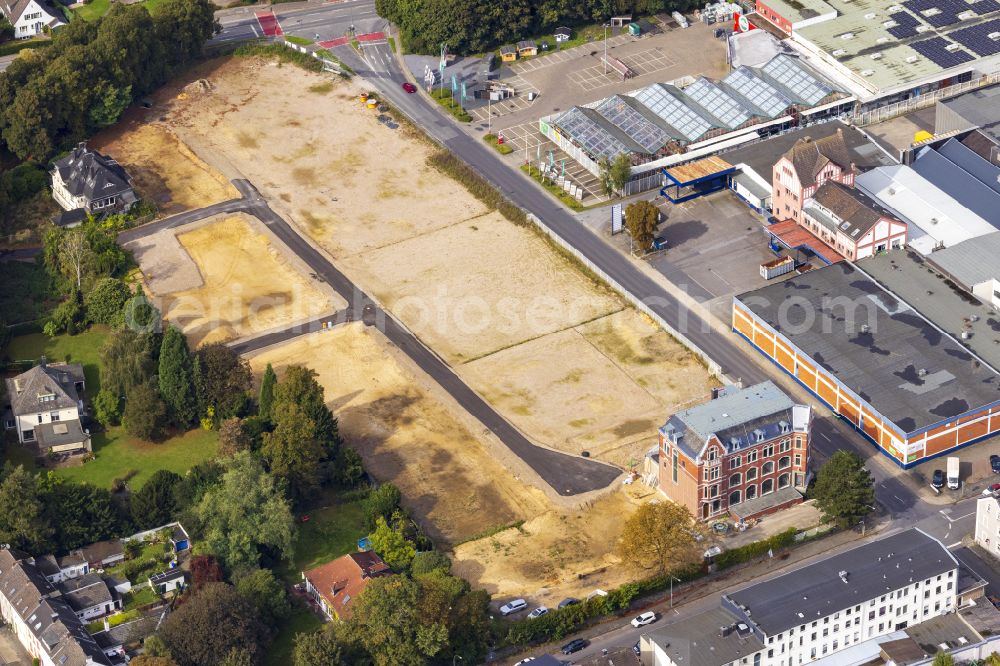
993	489
526	660
513	606
538	612
409	87
995	463
937	480
637	649
648	617
575	645
568	601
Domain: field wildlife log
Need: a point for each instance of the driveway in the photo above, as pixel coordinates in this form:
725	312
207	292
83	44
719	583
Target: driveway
11	651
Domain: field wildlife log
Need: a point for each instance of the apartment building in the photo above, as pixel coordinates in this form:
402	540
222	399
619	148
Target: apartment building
988	525
744	453
800	172
873	591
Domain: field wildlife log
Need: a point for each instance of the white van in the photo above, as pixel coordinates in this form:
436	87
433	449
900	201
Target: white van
513	606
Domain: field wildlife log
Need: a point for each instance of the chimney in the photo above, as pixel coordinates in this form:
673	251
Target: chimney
42	362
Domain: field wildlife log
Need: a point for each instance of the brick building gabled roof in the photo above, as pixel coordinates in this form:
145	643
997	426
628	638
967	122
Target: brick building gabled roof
809	157
851	207
342	580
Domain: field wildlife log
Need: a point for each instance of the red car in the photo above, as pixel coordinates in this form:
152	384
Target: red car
409	87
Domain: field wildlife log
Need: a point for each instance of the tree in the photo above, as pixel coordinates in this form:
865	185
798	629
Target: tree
615	173
387	622
392	545
6	29
318	648
22	520
105	302
266	593
205	569
126	361
660	537
381	503
79	513
292	452
75	255
214	621
140	315
107	408
196	483
233	438
844	489
430	561
223	380
641	219
154	646
109	104
154	503
237	657
176	377
299	386
147	660
145	412
266	400
244	513
942	658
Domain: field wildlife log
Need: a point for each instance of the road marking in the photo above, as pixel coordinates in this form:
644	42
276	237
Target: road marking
953	545
953	520
898	497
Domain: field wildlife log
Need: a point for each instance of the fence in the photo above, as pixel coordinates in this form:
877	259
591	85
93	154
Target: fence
315	52
906	106
637	302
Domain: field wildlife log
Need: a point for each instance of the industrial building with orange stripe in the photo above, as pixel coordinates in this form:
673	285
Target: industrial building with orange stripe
890	344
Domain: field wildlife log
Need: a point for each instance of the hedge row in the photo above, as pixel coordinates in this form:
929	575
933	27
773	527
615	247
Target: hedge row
477	185
756	549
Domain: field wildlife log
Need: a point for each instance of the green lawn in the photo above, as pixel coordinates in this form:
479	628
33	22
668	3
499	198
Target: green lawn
18	45
329	533
98	8
26	296
82	348
301	621
118	456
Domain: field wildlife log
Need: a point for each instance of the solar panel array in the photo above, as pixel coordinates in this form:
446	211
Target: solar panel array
982	7
598	141
625	117
804	87
718	103
934	50
906	24
675	112
977	38
939	13
757	91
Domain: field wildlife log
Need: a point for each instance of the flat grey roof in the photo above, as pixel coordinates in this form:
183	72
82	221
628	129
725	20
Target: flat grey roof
761	156
696	641
817	590
752	507
952	309
735	407
876	345
979	107
942	629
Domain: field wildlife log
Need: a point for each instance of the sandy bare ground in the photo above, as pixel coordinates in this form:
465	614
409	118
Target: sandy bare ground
450	476
246	285
164	169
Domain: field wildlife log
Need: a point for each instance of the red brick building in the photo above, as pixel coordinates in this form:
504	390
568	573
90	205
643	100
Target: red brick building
336	584
744	453
803	169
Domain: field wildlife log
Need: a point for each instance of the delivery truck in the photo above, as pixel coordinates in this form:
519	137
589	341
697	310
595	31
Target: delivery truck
953	473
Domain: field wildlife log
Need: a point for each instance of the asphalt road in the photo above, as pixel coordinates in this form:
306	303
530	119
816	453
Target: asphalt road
322	22
567	475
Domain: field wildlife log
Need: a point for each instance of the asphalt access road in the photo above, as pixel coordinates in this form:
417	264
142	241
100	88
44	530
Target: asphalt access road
567	475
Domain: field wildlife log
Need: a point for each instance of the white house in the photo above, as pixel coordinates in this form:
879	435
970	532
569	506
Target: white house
59	569
988	525
167	581
45	406
87	182
30	17
90	597
815	611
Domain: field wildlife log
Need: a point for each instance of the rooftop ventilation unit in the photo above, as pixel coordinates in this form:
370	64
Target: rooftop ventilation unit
876	56
922	372
867	72
923	28
966	335
912	59
895	8
888	24
847	35
838	52
870	15
843	576
952	47
994	35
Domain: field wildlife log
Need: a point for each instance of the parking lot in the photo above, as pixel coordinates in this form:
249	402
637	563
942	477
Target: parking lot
557	57
644	62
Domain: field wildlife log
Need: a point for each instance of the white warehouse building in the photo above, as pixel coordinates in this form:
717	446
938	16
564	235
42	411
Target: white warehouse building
845	602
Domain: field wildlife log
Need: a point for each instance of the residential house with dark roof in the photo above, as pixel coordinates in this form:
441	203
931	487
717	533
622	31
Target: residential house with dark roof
30	17
45	405
102	554
88	181
58	569
336	584
90	596
41	618
744	453
839	610
808	164
850	223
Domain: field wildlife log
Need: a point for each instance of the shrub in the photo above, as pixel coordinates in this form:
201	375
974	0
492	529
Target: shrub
477	185
756	549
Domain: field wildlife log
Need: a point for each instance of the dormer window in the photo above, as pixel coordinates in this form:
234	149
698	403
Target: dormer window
758	435
784	426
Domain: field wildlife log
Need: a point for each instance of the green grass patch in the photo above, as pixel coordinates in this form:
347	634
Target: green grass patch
552	188
501	148
301	41
93	10
445	99
118	456
301	621
139	597
330	532
26	295
392	43
327	54
282	53
16	46
356	44
82	348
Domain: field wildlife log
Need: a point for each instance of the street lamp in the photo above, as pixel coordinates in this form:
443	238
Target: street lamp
672	579
606	26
